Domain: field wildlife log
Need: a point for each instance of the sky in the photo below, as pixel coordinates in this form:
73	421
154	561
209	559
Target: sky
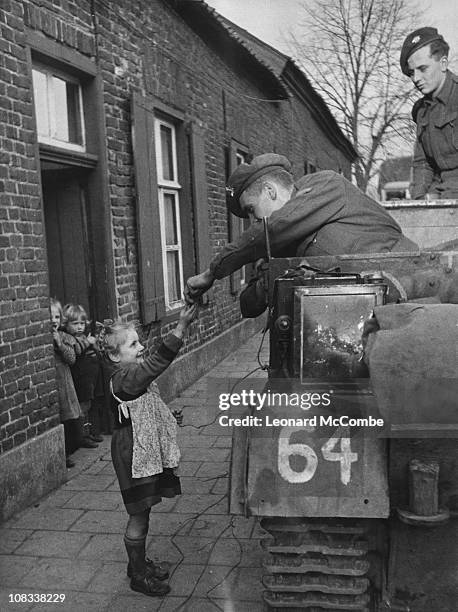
272	20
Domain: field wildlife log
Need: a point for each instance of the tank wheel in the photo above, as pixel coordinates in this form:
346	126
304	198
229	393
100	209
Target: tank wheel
319	564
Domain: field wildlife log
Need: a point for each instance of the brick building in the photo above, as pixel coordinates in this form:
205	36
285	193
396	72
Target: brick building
120	122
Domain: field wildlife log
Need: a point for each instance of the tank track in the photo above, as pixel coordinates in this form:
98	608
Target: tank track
317	565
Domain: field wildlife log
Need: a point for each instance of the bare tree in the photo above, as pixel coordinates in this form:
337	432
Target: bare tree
350	50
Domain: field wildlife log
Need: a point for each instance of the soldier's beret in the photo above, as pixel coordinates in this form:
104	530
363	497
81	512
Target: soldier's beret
416	40
245	174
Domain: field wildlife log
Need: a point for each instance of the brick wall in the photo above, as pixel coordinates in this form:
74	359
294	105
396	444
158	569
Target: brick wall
139	46
27	385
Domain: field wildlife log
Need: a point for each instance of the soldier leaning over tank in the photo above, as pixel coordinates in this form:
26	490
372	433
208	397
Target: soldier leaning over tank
320	214
424	58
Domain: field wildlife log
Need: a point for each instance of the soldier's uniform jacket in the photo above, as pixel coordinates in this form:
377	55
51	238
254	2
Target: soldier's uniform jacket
327	215
435	163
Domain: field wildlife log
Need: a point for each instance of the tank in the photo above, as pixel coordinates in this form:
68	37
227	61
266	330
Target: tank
344	496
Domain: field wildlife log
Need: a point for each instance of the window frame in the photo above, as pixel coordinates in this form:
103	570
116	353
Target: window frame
50	71
172	187
236	225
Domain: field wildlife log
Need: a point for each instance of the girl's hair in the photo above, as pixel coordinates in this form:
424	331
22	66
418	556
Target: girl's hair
58	305
72	312
111	335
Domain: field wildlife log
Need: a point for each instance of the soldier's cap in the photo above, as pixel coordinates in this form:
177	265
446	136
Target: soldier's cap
245	174
416	40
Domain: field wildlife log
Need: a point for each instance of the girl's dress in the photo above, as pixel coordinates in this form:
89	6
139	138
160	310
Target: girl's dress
68	401
143	446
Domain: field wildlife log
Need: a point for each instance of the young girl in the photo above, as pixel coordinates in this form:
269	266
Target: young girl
64	353
143	447
86	371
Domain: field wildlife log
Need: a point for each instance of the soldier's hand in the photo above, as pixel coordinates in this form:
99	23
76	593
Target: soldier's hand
197	286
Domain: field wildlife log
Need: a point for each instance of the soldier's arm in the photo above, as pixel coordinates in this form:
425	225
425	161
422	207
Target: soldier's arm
423	173
321	202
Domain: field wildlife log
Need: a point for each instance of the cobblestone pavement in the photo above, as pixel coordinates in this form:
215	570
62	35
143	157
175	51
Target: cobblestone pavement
71	542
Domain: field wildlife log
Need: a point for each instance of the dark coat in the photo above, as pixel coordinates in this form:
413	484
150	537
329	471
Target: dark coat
435	162
327	215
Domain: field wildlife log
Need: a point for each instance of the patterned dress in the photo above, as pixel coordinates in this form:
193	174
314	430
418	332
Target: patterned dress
144	449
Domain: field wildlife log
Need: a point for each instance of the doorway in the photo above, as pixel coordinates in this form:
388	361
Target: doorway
68	238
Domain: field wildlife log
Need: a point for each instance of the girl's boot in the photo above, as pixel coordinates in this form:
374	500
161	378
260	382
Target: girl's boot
142	581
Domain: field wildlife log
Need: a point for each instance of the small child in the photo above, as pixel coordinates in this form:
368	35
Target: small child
144	449
86	371
69	407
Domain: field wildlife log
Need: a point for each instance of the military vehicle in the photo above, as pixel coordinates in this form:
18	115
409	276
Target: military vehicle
358	516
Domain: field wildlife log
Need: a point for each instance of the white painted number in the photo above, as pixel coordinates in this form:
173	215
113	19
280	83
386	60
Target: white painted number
346	456
285	450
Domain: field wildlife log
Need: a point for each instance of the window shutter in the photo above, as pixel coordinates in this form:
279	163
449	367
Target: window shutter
234	222
152	300
200	197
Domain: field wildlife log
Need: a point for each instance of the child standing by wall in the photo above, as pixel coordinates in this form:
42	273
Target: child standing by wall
86	371
69	407
143	447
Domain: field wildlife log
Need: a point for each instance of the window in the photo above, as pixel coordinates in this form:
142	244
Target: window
237	154
169	212
58	108
244	224
172	205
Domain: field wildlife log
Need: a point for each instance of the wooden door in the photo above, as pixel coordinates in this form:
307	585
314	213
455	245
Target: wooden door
67	239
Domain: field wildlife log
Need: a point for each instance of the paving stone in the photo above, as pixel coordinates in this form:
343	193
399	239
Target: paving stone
210	525
188	468
223	582
193	485
213	468
135	602
189	438
95	500
186	549
55	519
5	600
185	578
56	499
170	523
223	442
114	487
215	429
53	544
237	552
172	604
89	482
59	575
198	604
221	486
108	468
95	468
10	539
110	578
76	601
216	504
14	568
101	521
189	392
104	547
206	454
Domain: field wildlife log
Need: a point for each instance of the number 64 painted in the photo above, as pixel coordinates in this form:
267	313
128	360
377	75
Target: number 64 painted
285	450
